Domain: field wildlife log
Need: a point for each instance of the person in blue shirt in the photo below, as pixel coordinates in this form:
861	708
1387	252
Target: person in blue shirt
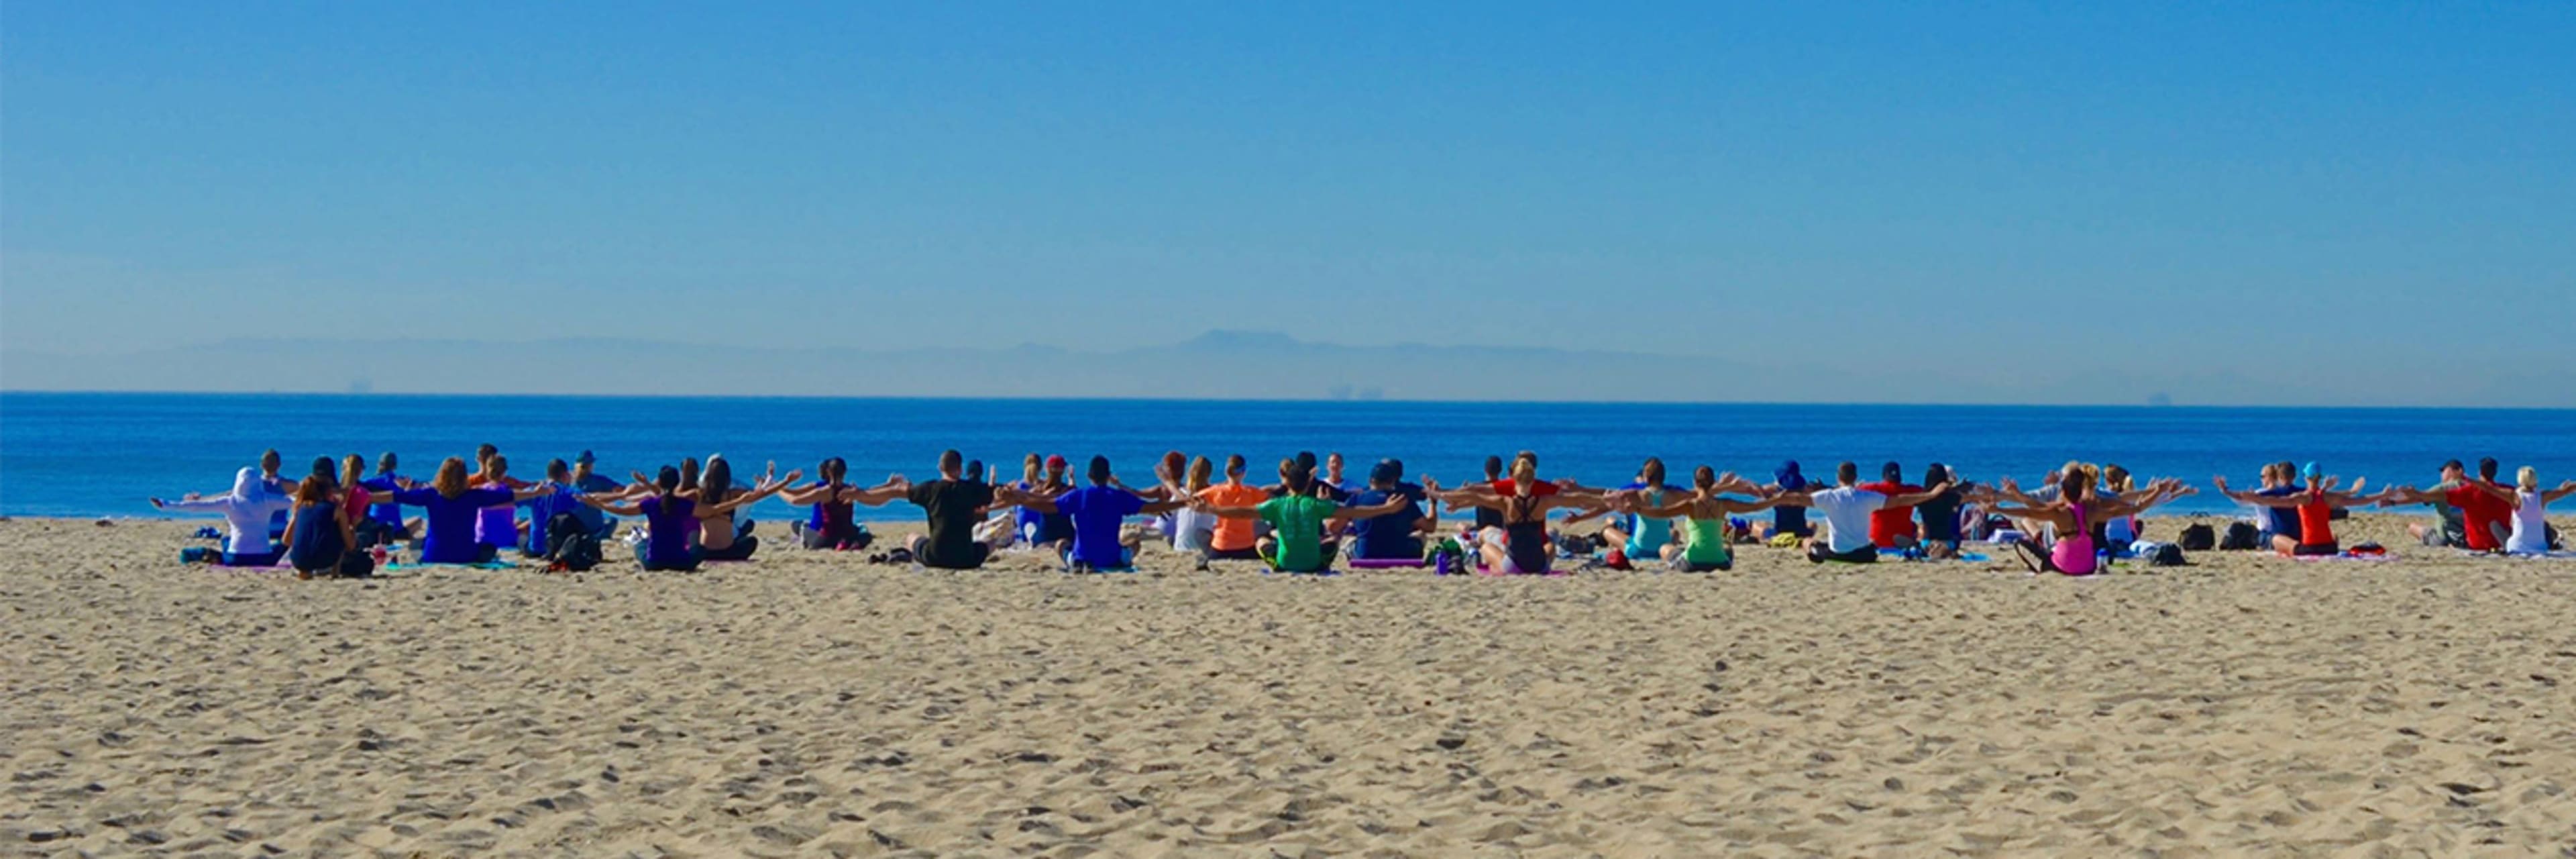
563	500
1097	513
385	523
1631	535
1397	535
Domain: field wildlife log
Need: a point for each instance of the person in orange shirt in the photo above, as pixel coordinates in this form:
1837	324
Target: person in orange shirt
1235	539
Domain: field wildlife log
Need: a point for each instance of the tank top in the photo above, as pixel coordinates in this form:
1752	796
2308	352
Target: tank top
1525	534
831	515
2316	522
2530	523
1646	536
1707	542
2073	554
497	525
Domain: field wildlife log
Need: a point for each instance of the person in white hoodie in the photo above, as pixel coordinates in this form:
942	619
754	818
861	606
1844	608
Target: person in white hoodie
246	511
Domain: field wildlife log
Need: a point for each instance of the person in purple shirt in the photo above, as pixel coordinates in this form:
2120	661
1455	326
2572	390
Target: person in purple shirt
1097	512
451	507
670	520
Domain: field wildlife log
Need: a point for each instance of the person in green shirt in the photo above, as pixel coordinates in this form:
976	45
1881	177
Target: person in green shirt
1705	549
1297	519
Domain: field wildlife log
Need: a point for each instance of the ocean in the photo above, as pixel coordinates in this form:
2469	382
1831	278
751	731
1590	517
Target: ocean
103	454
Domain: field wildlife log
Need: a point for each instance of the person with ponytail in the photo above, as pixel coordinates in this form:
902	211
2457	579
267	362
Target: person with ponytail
2072	513
1520	544
1704	545
719	539
671	519
834	523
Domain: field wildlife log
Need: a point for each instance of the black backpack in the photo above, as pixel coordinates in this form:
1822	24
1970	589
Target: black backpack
2241	536
2199	537
2166	555
570	545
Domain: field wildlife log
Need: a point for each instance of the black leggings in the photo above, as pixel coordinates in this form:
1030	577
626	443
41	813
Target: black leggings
850	538
740	551
1820	553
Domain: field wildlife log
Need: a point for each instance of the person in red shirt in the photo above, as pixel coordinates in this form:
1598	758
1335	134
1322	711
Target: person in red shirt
2316	508
2485	517
1510	486
1892	527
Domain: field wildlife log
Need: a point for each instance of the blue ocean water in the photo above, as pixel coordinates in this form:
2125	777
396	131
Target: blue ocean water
105	454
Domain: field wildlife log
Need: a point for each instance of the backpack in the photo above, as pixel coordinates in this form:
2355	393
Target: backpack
2199	537
2164	555
569	544
2241	536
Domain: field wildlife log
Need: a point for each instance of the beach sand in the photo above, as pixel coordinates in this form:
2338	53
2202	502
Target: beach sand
810	704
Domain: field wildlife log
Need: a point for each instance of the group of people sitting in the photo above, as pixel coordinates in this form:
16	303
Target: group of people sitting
2478	514
337	519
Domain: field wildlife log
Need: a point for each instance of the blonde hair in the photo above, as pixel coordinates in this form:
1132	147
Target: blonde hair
2529	477
1200	471
2116	479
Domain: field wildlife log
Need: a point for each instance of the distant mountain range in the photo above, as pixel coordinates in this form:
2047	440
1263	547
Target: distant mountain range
1215	365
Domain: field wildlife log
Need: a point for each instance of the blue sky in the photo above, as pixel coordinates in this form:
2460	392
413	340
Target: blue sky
2360	191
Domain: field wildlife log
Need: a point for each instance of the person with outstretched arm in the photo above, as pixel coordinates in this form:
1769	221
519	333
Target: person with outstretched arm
1519	544
2073	512
1704	544
954	505
2316	508
1847	509
834	524
1097	512
1297	518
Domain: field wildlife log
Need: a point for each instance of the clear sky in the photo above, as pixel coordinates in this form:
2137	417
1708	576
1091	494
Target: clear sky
2306	193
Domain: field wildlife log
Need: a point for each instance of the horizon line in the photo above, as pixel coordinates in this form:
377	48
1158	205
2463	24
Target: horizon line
1345	400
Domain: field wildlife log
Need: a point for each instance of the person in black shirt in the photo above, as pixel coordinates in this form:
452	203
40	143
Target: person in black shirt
1941	514
954	504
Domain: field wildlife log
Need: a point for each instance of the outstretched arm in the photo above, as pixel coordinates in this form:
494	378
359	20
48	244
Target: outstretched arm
1225	512
618	508
2564	489
1913	498
2396	495
815	494
1010	497
742	499
1467	496
2248	497
1392	504
1730	505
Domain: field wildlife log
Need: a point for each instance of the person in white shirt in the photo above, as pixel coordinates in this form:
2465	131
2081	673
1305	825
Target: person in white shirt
2530	510
1847	508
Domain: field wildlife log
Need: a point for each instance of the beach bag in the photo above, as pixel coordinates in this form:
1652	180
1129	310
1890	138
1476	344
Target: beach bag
570	546
2241	537
2162	555
2199	537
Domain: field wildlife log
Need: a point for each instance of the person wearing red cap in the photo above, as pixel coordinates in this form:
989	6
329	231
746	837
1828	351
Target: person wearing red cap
1043	529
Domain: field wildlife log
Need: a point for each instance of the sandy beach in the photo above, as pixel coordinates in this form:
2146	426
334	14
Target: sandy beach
810	704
